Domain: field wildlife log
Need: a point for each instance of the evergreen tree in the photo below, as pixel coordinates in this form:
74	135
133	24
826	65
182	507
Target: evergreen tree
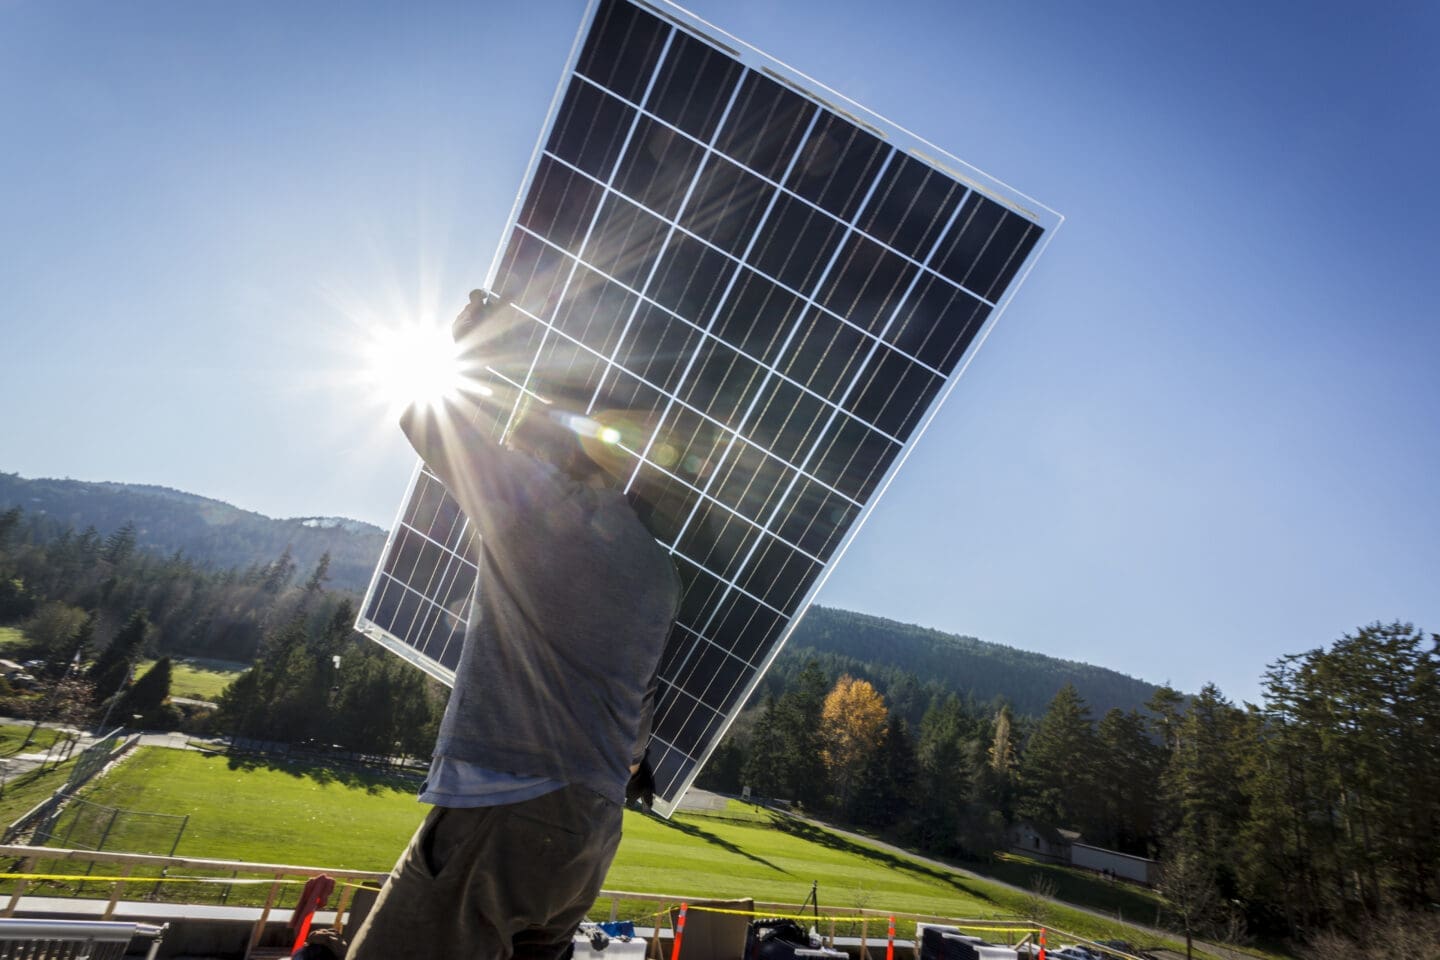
112	668
1203	787
800	713
764	768
277	575
120	545
943	788
146	695
1056	777
1127	785
316	583
1342	782
9	523
883	795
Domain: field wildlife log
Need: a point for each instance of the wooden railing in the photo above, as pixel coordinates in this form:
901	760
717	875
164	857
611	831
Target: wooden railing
133	872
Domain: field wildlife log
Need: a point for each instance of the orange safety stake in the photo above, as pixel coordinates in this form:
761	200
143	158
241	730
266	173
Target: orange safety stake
890	944
679	932
1042	943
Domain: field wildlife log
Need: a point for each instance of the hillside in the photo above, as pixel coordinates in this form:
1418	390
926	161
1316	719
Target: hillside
211	533
219	536
873	646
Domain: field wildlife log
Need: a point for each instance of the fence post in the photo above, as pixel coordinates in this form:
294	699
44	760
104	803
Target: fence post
115	891
20	885
342	905
259	930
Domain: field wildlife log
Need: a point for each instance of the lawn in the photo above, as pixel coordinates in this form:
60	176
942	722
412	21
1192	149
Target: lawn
196	678
1073	885
10	637
271	813
22	792
12	739
241	810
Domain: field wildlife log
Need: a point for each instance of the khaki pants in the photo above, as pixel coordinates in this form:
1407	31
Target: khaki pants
495	882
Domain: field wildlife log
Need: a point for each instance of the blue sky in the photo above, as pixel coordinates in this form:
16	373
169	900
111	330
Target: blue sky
1206	433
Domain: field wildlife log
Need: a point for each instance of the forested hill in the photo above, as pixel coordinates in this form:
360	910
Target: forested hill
218	536
209	532
874	648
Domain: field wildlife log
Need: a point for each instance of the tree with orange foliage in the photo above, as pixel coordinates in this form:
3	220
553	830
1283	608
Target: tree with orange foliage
852	727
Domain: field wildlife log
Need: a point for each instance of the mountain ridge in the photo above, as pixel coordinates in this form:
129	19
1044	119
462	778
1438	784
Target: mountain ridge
210	532
219	535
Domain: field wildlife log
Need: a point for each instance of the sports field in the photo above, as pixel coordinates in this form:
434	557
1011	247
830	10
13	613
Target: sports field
326	818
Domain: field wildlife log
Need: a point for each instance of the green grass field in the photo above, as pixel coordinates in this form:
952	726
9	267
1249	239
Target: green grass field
10	637
24	791
316	817
12	739
196	678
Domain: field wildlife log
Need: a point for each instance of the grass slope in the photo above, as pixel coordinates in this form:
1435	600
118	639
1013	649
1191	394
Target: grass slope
269	813
12	739
23	791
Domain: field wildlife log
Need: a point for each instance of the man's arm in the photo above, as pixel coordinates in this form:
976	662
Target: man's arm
489	482
641	787
476	470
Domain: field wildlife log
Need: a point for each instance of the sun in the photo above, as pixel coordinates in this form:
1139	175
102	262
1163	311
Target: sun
411	362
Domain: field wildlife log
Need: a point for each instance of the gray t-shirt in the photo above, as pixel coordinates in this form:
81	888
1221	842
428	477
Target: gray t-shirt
572	608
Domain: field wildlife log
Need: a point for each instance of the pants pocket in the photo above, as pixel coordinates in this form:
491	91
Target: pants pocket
433	847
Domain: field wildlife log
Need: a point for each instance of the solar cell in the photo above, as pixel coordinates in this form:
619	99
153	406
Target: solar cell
767	297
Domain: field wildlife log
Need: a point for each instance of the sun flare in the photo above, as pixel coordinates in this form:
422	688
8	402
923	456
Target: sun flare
412	363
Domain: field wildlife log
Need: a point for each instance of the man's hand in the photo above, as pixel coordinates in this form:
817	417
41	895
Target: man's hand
475	334
472	317
642	784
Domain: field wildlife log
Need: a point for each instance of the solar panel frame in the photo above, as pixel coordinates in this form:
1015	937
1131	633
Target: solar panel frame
852	273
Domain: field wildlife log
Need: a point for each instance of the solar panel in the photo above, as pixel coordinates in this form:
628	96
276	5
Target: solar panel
766	295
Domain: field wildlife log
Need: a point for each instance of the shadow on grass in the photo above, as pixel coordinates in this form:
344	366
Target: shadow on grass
371	781
819	835
1114	897
690	830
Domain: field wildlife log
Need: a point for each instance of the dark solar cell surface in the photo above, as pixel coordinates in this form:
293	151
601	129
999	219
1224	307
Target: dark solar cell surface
764	297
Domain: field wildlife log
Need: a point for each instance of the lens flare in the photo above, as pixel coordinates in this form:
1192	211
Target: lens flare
413	363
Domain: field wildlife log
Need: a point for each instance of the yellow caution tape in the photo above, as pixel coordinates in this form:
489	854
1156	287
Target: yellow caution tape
140	878
846	918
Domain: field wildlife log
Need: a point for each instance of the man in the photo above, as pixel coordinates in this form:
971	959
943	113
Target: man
553	693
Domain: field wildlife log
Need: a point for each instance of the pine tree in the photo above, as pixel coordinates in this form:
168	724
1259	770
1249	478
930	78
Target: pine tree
1202	786
119	545
316	583
800	711
764	768
944	785
146	695
9	523
1127	784
883	794
112	668
1056	777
